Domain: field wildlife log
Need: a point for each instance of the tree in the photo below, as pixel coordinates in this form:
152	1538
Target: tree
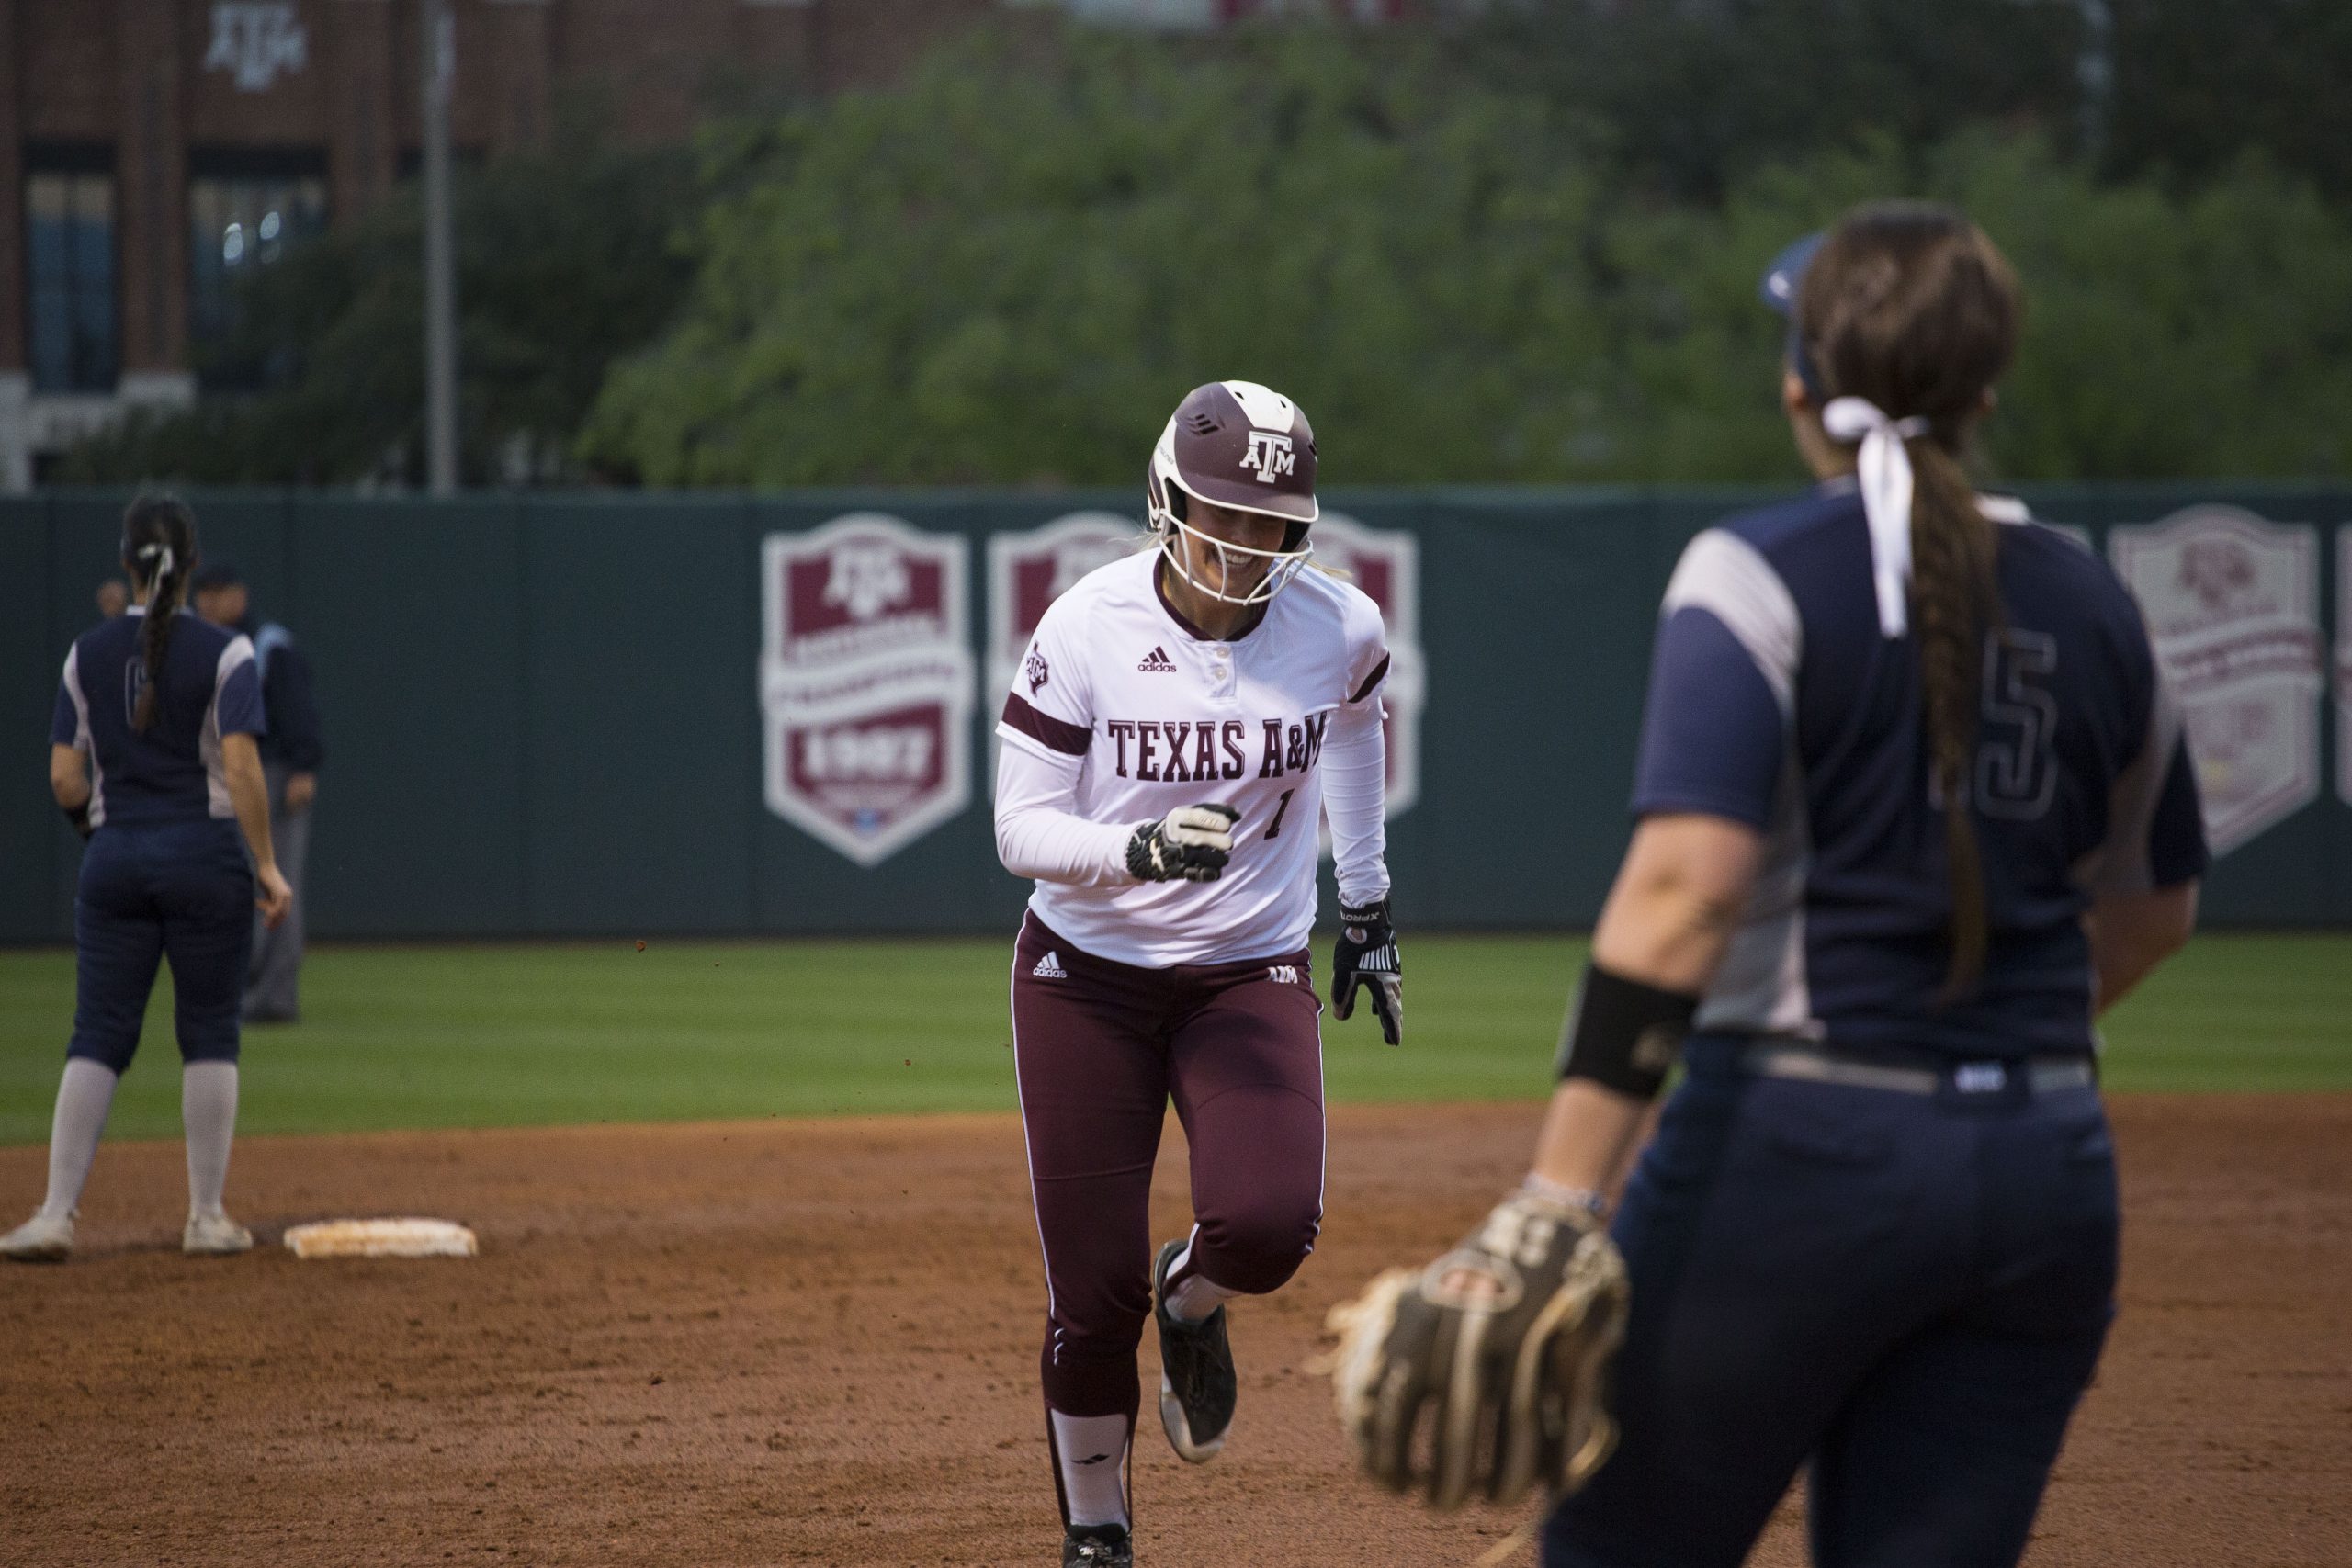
565	258
2196	334
1008	278
998	276
1691	96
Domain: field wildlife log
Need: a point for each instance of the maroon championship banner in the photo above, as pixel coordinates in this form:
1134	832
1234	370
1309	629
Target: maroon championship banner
1387	564
2233	609
2344	663
1030	569
865	682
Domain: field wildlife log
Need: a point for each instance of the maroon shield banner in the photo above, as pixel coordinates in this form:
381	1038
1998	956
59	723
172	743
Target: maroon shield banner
2233	608
865	682
1387	564
1030	569
2344	663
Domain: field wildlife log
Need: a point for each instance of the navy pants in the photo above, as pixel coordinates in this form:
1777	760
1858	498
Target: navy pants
1907	1292
176	890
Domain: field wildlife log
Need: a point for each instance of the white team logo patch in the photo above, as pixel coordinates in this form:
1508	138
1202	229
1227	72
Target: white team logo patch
1284	974
868	577
1271	453
1050	968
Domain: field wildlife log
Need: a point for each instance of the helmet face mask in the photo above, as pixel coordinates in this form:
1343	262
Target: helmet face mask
1234	444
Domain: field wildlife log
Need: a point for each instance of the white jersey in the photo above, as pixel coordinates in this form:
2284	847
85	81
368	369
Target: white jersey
1152	715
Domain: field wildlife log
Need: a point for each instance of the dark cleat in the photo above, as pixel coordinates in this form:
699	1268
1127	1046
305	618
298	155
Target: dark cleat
1196	1384
1098	1546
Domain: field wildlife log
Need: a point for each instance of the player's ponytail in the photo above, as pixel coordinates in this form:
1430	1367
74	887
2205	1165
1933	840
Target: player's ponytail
1954	598
1909	308
159	551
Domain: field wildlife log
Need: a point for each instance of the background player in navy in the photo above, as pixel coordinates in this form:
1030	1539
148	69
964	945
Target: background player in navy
151	754
293	751
1913	806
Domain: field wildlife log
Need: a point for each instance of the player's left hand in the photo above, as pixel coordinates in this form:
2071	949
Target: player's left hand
1367	956
1486	1371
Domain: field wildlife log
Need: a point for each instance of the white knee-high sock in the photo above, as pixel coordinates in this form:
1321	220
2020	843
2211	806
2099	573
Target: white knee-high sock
84	1095
1092	1453
1194	1299
208	1113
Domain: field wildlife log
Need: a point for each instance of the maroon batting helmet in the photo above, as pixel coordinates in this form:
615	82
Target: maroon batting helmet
1237	444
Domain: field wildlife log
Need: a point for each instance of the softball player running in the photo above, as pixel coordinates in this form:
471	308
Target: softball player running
1180	721
151	754
1914	807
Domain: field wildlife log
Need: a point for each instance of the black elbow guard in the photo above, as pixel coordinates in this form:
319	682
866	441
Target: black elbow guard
1624	1034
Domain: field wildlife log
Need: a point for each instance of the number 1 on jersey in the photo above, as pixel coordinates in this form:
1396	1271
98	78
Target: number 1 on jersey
1274	827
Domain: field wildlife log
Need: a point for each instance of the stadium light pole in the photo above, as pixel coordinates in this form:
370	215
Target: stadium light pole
440	67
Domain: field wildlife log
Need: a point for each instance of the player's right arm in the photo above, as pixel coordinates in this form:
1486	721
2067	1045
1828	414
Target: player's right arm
1047	729
1038	832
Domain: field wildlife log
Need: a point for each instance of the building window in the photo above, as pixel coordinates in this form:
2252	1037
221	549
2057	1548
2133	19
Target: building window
69	276
246	210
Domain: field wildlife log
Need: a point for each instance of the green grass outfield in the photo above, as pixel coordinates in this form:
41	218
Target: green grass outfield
516	1036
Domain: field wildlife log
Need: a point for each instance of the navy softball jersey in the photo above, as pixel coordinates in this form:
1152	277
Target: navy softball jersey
1775	701
172	772
1875	1234
164	874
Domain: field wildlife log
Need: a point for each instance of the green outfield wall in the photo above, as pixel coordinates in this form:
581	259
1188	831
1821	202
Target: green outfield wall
578	714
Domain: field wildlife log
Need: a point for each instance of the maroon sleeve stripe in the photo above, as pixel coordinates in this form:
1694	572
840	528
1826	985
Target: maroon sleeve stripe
1370	681
1070	738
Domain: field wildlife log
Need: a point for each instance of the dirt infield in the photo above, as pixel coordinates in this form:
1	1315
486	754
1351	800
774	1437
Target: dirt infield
814	1343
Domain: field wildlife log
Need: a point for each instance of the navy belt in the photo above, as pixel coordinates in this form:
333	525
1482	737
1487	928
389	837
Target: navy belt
1986	1076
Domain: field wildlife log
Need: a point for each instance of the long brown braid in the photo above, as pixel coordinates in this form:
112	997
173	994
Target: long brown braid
159	551
1909	305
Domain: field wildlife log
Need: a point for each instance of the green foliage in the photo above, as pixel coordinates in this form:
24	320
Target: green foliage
562	260
2199	85
1691	98
1519	250
1010	278
2165	336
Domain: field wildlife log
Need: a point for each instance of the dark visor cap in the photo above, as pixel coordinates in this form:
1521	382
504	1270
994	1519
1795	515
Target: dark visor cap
216	574
1777	290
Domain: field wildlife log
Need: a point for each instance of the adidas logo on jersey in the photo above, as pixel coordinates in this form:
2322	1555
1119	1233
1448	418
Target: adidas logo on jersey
1050	968
1156	662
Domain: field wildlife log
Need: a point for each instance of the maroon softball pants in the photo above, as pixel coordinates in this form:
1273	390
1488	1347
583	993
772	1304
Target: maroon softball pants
1101	1049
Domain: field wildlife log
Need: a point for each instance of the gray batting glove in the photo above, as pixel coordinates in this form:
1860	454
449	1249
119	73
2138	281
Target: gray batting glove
1191	843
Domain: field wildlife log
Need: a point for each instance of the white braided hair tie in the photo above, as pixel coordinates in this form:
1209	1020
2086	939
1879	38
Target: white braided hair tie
1884	468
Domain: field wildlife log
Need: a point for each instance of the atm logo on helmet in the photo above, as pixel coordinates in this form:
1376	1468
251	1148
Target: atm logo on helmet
1271	453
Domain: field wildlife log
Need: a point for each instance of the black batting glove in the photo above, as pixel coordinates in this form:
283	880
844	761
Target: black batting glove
80	817
1191	843
1367	956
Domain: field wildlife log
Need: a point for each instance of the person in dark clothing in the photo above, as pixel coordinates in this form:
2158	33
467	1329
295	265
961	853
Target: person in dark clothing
152	757
292	753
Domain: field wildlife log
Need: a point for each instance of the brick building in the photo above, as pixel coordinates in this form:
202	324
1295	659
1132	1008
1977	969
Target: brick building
151	150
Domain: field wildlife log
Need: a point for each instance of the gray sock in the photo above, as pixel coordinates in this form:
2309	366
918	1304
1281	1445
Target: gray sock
84	1095
208	1113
